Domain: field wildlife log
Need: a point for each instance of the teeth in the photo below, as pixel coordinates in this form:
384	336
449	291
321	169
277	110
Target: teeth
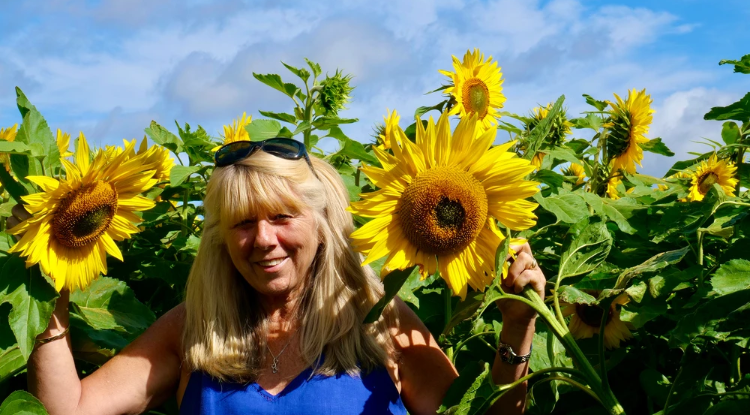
271	262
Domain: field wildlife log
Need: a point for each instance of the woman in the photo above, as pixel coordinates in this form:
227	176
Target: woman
272	319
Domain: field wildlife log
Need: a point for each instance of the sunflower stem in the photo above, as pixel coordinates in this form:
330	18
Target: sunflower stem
448	305
185	200
602	366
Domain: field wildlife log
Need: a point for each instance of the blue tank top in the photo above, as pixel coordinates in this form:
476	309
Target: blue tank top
373	393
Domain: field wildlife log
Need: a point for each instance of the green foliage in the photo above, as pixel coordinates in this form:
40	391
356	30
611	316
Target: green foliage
682	267
22	403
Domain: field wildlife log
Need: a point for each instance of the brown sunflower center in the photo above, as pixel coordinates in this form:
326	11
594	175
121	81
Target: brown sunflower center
85	214
476	97
591	314
443	210
706	181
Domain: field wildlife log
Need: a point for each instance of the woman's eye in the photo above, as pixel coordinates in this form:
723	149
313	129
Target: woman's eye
282	216
244	222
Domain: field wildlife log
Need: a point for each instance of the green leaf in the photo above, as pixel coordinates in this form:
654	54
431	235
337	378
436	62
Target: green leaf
562	153
730	132
740	66
470	393
16	147
542	129
179	174
352	149
655	384
739	111
22	403
164	137
34	130
652	264
571	295
314	67
275	82
109	304
657	146
423	110
732	276
705	320
281	116
735	406
327	122
568	207
392	283
11	362
15	189
303	74
263	129
592	121
464	310
600	105
586	251
32	299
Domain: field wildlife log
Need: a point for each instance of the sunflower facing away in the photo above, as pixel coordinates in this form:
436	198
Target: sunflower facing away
438	199
586	321
709	172
236	131
76	220
477	89
629	121
386	130
561	127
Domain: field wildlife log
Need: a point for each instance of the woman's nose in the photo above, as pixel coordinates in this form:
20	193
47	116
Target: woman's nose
265	235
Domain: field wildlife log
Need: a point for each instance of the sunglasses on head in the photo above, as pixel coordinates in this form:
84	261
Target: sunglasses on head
285	148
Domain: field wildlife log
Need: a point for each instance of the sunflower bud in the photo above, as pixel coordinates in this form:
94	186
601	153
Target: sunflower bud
334	92
560	124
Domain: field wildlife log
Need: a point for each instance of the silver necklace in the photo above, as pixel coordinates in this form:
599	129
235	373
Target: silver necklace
275	362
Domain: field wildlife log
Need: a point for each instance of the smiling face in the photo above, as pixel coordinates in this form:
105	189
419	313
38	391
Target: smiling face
274	252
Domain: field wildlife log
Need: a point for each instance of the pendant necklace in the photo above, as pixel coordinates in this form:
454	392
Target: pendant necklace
275	362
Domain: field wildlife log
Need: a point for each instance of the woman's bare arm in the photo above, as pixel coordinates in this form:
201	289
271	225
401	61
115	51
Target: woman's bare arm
141	376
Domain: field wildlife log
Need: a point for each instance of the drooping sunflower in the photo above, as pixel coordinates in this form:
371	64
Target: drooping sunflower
586	321
575	169
236	131
628	124
477	87
437	200
157	156
7	134
537	160
561	127
63	142
709	172
76	220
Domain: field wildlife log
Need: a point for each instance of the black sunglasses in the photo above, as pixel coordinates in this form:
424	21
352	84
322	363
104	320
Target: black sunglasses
285	148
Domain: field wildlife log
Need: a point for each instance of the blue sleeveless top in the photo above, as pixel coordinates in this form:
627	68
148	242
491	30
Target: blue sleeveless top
373	393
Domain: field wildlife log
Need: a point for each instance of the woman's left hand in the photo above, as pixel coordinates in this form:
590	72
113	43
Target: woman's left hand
522	272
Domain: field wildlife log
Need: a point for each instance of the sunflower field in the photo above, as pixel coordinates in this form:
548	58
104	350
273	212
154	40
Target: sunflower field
647	303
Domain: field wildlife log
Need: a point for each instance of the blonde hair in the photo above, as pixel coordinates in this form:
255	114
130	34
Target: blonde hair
225	327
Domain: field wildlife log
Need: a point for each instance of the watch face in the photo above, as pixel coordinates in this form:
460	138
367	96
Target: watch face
504	351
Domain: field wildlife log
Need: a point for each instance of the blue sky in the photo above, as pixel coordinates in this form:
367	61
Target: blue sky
109	67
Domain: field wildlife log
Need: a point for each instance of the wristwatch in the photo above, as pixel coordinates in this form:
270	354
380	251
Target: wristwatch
507	354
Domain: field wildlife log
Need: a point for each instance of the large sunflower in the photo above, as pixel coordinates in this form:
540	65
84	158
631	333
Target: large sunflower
629	121
438	199
236	131
76	221
586	321
709	172
477	88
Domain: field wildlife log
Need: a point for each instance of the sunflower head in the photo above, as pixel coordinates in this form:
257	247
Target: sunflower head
77	219
476	87
335	92
710	172
63	142
438	200
586	321
386	131
561	127
236	131
628	123
575	169
7	134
